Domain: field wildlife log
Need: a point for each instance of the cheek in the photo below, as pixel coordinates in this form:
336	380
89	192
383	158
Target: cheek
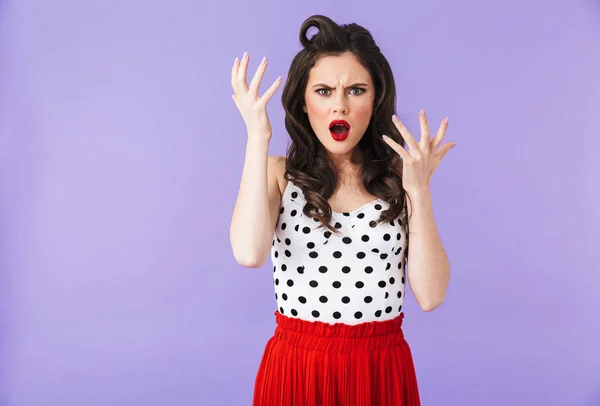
317	111
363	112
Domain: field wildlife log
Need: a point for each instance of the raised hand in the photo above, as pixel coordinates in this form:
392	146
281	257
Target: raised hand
252	106
421	160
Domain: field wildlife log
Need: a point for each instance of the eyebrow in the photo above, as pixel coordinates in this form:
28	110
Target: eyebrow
352	85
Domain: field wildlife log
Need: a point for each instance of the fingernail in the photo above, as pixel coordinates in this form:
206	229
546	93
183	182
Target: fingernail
263	60
422	112
245	55
385	137
395	117
446	121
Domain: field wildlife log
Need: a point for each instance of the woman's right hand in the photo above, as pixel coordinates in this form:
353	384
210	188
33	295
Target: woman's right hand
252	106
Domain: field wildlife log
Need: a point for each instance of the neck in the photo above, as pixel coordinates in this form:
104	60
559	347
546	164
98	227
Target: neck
348	165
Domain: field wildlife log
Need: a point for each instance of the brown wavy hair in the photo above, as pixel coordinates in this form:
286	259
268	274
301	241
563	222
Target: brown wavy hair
308	165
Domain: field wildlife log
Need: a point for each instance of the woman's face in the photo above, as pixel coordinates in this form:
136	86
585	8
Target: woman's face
339	91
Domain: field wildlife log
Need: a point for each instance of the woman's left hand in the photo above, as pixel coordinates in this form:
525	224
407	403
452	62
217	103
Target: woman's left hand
421	160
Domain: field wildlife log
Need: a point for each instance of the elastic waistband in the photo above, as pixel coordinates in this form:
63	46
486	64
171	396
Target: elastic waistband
339	337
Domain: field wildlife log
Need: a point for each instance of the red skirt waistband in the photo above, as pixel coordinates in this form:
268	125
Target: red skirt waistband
339	337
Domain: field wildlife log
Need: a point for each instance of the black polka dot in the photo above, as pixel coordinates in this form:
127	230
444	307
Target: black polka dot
306	230
337	284
378	313
284	267
361	255
288	241
290	283
327	234
378	207
386	237
297	227
400	308
310	245
337	254
346	269
365	238
314	284
323	299
302	299
372	224
398	236
382	284
337	315
358	315
323	269
294	195
403	280
361	215
337	226
368	299
283	226
284	296
347	240
346	214
399	294
369	269
315	313
276	281
383	256
392	280
313	254
387	294
288	253
281	310
346	300
388	309
360	285
276	254
294	312
388	266
300	269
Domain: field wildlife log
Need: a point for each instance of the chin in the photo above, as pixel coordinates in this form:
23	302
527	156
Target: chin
340	148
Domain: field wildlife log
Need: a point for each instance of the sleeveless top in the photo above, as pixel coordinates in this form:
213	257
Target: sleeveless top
354	277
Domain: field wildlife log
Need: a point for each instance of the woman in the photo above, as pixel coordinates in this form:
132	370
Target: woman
333	215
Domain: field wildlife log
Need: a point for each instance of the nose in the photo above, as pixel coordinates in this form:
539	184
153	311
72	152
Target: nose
340	104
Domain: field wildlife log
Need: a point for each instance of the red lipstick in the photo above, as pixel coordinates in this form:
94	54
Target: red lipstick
339	129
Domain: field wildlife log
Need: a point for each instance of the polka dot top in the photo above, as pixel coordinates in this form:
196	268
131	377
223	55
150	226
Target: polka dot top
355	277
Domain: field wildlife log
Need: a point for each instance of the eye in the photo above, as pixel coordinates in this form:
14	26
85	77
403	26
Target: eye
319	91
359	90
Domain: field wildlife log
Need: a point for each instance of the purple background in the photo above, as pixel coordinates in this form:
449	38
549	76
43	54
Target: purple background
120	157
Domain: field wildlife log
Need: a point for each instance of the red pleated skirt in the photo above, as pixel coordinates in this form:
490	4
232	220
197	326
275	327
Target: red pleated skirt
310	363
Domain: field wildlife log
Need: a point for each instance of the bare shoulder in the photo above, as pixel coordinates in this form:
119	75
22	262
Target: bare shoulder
276	170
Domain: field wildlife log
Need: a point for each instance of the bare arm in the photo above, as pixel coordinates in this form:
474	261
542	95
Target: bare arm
257	207
429	268
257	204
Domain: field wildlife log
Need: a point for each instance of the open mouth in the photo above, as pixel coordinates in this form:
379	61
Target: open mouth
339	129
